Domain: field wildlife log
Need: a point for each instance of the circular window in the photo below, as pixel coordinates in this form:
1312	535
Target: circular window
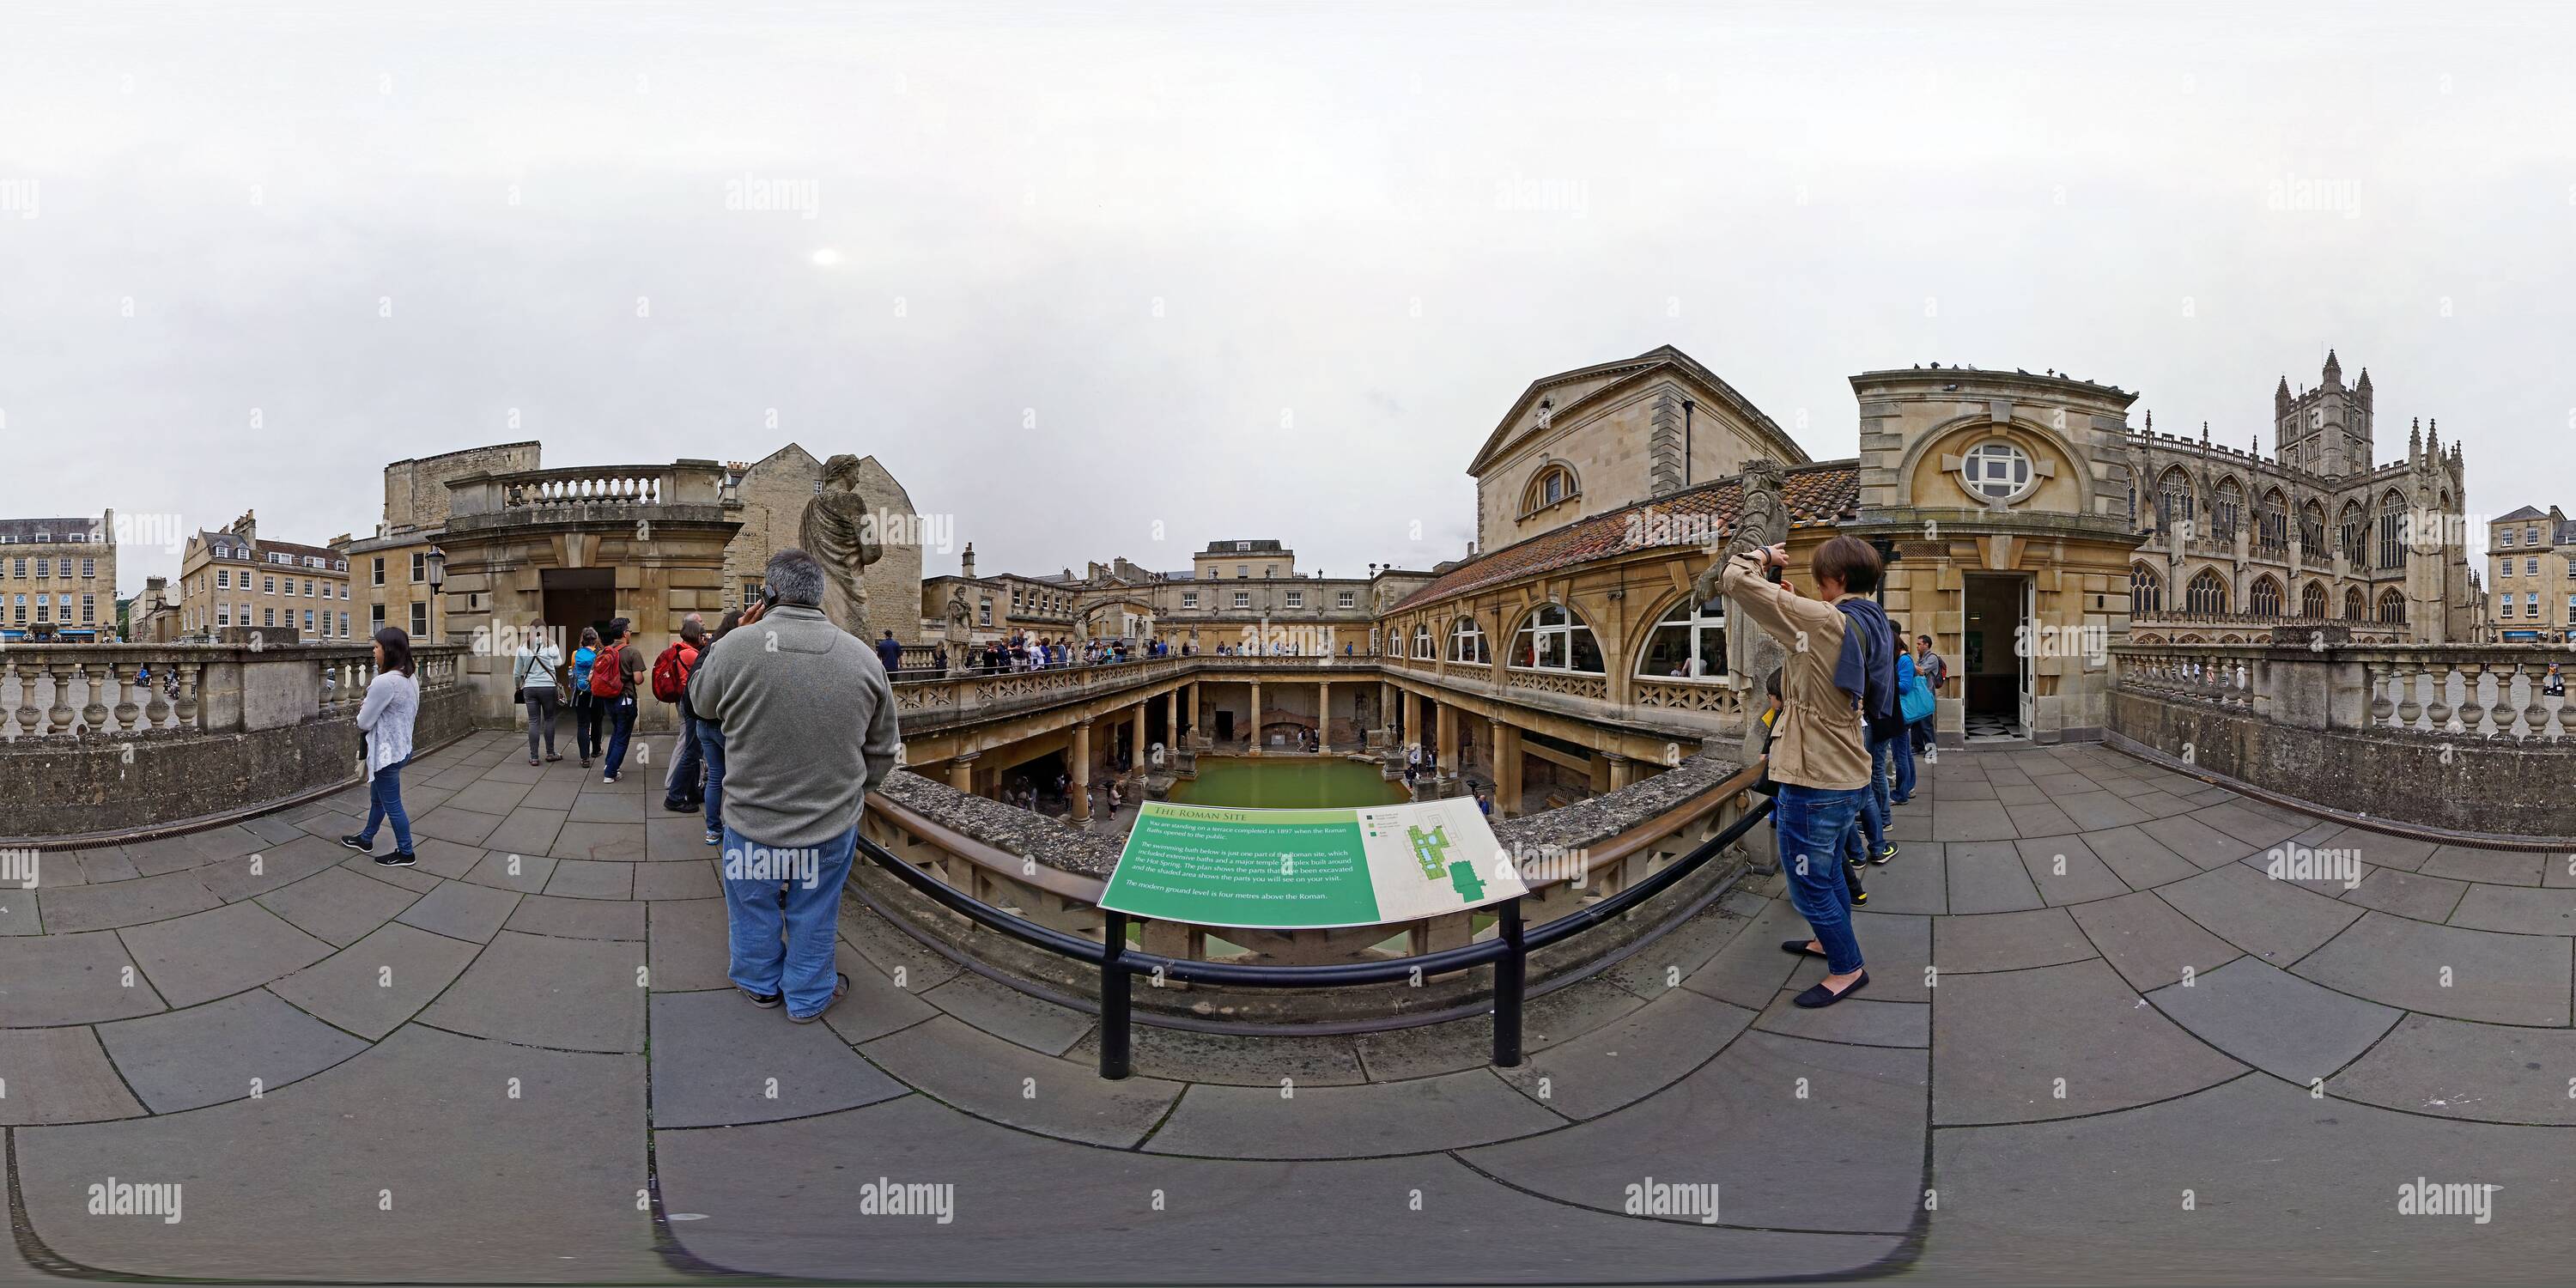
1996	471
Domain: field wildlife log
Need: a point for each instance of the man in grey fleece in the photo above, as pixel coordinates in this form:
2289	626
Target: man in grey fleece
809	728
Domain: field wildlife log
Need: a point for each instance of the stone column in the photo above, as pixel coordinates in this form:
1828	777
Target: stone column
1324	715
1386	705
1081	788
961	773
1256	717
1619	773
1136	753
1445	721
1507	769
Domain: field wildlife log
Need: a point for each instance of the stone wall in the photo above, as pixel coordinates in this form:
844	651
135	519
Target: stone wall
774	492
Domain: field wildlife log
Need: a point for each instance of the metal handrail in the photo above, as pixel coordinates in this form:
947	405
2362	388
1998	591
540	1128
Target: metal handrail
1508	951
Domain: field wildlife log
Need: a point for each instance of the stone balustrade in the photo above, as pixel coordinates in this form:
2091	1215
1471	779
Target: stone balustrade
125	737
2458	738
1051	872
588	488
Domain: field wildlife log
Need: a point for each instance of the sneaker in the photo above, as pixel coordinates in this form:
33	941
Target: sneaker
397	859
678	807
608	778
765	1001
1886	851
1859	897
358	843
840	989
715	838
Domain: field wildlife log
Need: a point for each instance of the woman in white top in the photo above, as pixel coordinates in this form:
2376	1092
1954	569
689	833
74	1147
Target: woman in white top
533	675
393	703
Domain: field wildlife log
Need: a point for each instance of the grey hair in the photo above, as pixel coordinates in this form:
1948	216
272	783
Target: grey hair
795	578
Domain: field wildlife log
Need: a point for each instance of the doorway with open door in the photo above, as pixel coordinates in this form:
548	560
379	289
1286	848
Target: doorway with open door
1994	665
576	598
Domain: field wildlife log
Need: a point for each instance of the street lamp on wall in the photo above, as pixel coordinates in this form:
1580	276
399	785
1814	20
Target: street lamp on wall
437	561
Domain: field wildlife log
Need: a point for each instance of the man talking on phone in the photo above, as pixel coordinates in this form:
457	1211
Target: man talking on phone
1819	750
809	729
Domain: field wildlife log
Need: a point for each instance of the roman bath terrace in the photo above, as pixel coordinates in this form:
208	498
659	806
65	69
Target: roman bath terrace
2229	934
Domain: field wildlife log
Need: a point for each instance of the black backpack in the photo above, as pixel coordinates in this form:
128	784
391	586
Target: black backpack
1882	707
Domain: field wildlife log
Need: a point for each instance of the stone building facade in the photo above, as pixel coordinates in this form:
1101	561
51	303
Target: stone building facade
2531	567
58	576
774	490
389	571
236	579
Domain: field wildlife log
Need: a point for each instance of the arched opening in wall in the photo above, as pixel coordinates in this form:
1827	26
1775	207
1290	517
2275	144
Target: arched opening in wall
2173	499
2146	591
2392	608
1467	643
2356	535
1553	638
2264	599
1554	482
1422	649
1688	643
2392	530
2207	594
2312	601
2312	531
2272	524
2226	510
2355	607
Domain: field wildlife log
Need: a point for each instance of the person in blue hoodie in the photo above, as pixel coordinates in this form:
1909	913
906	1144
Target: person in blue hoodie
1867	666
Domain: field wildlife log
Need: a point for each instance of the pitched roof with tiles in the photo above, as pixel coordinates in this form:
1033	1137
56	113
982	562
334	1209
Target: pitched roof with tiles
1824	493
2526	512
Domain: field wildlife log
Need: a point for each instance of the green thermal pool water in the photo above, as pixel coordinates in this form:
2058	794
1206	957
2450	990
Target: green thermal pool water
1291	782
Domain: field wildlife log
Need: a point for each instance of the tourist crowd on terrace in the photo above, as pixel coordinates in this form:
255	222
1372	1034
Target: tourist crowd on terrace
1021	652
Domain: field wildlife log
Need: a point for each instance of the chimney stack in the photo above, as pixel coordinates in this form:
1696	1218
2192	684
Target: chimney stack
966	562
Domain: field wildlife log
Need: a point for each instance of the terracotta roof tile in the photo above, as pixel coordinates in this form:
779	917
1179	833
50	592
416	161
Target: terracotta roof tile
1825	493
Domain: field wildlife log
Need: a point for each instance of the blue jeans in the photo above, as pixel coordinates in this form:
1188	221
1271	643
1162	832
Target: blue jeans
1923	734
801	965
681	784
1869	836
384	801
1898	753
1812	825
711	744
621	726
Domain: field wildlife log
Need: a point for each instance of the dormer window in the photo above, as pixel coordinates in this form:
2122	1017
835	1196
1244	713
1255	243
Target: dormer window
1553	483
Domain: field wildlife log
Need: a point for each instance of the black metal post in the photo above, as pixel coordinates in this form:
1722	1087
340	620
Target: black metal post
1510	974
1114	980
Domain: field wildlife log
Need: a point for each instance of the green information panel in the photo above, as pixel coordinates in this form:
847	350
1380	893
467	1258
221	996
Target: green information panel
1309	869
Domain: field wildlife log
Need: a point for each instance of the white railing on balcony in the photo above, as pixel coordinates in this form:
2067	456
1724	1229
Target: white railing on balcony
609	485
121	690
2481	691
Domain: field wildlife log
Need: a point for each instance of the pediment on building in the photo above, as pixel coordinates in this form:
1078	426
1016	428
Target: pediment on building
1572	393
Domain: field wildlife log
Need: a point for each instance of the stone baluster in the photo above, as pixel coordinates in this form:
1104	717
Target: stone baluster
2567	719
2473	704
192	679
2381	707
2410	709
93	682
156	707
58	717
2535	715
23	705
2440	710
122	677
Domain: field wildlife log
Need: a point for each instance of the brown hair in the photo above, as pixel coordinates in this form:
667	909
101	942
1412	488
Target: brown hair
397	645
1848	560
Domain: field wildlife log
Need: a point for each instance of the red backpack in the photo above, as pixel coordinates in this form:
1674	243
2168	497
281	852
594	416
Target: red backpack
608	674
671	671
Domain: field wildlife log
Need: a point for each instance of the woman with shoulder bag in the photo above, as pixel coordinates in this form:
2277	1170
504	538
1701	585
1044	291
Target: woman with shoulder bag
586	709
534	670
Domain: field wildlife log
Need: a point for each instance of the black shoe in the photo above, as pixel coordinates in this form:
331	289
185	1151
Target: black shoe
1887	851
679	807
397	859
1799	948
765	1001
360	844
1821	996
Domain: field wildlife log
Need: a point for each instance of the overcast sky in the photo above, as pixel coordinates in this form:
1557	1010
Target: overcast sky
1072	272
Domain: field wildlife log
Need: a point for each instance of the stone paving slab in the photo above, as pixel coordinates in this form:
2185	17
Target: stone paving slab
288	1186
462	911
690	945
510	870
20	911
1007	1083
126	903
2286	1189
539	914
1861	1021
875	1007
720	1061
337	906
2003	1042
2009	941
373	985
213	1053
1751	967
1988	876
2492	867
2271	1019
775	1201
2518	910
590	879
1970	820
2100	809
1854	1114
97	867
1918	881
451	823
1624	1062
207	955
658	881
2197	842
60	1076
2065	870
70	979
2447	970
890	949
2463	1069
564	994
2253	824
2149	943
2273	920
1010	1014
486	795
2407	894
1181	1055
526	830
605	842
1445	1111
2379	849
1559	1015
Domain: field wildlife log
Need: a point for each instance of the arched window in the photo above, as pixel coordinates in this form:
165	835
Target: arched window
2207	594
1552	638
2312	531
2355	608
2356	535
1689	643
2272	524
2392	531
1996	471
2312	601
2392	608
1422	641
1467	642
2264	600
2146	591
2226	511
2173	499
1554	482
